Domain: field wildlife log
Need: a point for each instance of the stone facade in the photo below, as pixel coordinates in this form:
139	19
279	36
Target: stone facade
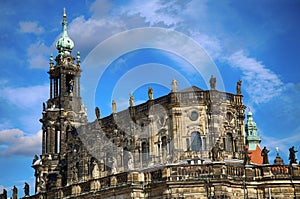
186	144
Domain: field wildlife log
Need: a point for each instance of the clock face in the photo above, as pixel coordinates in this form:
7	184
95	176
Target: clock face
194	115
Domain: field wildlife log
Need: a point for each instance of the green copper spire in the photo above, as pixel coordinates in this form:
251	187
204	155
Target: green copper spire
65	43
252	139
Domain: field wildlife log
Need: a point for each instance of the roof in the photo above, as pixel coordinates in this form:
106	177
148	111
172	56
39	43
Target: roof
256	155
191	89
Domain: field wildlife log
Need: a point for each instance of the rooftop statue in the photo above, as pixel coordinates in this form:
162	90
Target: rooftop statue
15	193
131	100
238	87
114	106
26	189
212	82
174	85
264	154
97	112
292	156
150	93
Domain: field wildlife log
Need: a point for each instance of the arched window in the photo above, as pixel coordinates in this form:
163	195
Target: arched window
229	142
145	151
196	141
125	157
57	142
204	143
188	145
164	142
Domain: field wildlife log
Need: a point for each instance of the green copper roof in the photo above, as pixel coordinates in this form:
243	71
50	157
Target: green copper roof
65	43
251	132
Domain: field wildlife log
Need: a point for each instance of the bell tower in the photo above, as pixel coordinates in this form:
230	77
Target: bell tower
252	138
62	114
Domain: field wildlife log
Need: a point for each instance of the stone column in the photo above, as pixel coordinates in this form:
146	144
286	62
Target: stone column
51	80
55	87
78	92
44	142
48	140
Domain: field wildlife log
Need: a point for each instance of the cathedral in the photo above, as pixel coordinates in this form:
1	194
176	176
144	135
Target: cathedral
189	143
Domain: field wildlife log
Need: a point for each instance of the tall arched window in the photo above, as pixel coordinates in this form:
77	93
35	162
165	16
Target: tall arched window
229	142
196	141
164	146
145	151
164	142
204	143
125	157
188	146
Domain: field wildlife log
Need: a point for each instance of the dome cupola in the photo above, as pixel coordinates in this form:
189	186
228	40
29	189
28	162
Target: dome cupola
64	45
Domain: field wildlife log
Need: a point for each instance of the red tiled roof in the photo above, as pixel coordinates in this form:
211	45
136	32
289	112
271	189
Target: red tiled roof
255	156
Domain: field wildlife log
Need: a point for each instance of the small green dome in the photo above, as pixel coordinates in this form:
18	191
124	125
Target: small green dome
65	43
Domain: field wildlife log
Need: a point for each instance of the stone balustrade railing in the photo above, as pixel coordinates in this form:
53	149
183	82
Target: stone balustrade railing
177	173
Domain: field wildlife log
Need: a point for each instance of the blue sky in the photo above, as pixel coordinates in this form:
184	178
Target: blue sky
257	42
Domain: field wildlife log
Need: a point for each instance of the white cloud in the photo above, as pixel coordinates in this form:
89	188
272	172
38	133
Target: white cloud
38	55
15	142
261	83
39	47
25	97
38	61
93	31
30	27
155	12
100	8
210	44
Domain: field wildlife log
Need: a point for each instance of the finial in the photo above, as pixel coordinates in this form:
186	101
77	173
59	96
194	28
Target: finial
65	44
51	58
51	61
78	56
277	150
64	15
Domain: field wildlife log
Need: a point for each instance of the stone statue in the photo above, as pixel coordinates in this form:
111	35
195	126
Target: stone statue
212	82
15	193
264	154
150	93
95	172
75	174
292	156
4	194
35	158
114	106
238	87
113	165
26	189
130	161
131	100
44	106
40	183
174	85
216	152
247	158
71	84
97	112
